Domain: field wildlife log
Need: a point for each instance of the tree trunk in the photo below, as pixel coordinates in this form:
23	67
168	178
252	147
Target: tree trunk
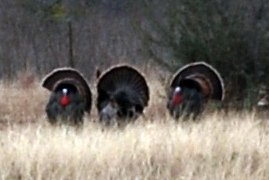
70	43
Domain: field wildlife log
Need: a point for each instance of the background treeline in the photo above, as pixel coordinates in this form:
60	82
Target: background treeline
232	35
35	35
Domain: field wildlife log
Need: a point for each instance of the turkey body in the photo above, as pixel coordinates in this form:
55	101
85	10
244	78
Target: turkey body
191	105
122	94
72	113
122	104
191	87
70	96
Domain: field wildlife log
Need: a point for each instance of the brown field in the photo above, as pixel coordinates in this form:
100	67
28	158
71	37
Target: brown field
219	146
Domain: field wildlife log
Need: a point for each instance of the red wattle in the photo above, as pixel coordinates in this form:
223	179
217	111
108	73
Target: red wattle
177	99
64	101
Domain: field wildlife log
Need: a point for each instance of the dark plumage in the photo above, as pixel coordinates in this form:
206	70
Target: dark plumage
194	85
263	98
192	104
71	113
70	96
122	94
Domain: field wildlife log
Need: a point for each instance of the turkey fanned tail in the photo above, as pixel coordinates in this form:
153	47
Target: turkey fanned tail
195	83
122	94
70	96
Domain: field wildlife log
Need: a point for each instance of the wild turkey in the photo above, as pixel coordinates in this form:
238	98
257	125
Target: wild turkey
191	87
263	96
70	96
122	94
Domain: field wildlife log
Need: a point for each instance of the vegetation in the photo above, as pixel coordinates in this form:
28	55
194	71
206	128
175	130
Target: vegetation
158	36
230	35
35	36
219	146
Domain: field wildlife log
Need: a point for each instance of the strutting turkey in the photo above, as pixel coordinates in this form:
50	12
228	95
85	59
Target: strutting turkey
70	96
122	94
263	95
191	87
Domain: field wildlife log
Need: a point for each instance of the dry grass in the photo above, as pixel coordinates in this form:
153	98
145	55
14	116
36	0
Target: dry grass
220	146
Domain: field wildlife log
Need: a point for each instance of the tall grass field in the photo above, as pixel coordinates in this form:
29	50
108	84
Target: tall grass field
230	145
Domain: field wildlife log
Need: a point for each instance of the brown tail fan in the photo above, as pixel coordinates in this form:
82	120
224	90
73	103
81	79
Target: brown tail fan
122	91
79	94
191	87
202	75
69	75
